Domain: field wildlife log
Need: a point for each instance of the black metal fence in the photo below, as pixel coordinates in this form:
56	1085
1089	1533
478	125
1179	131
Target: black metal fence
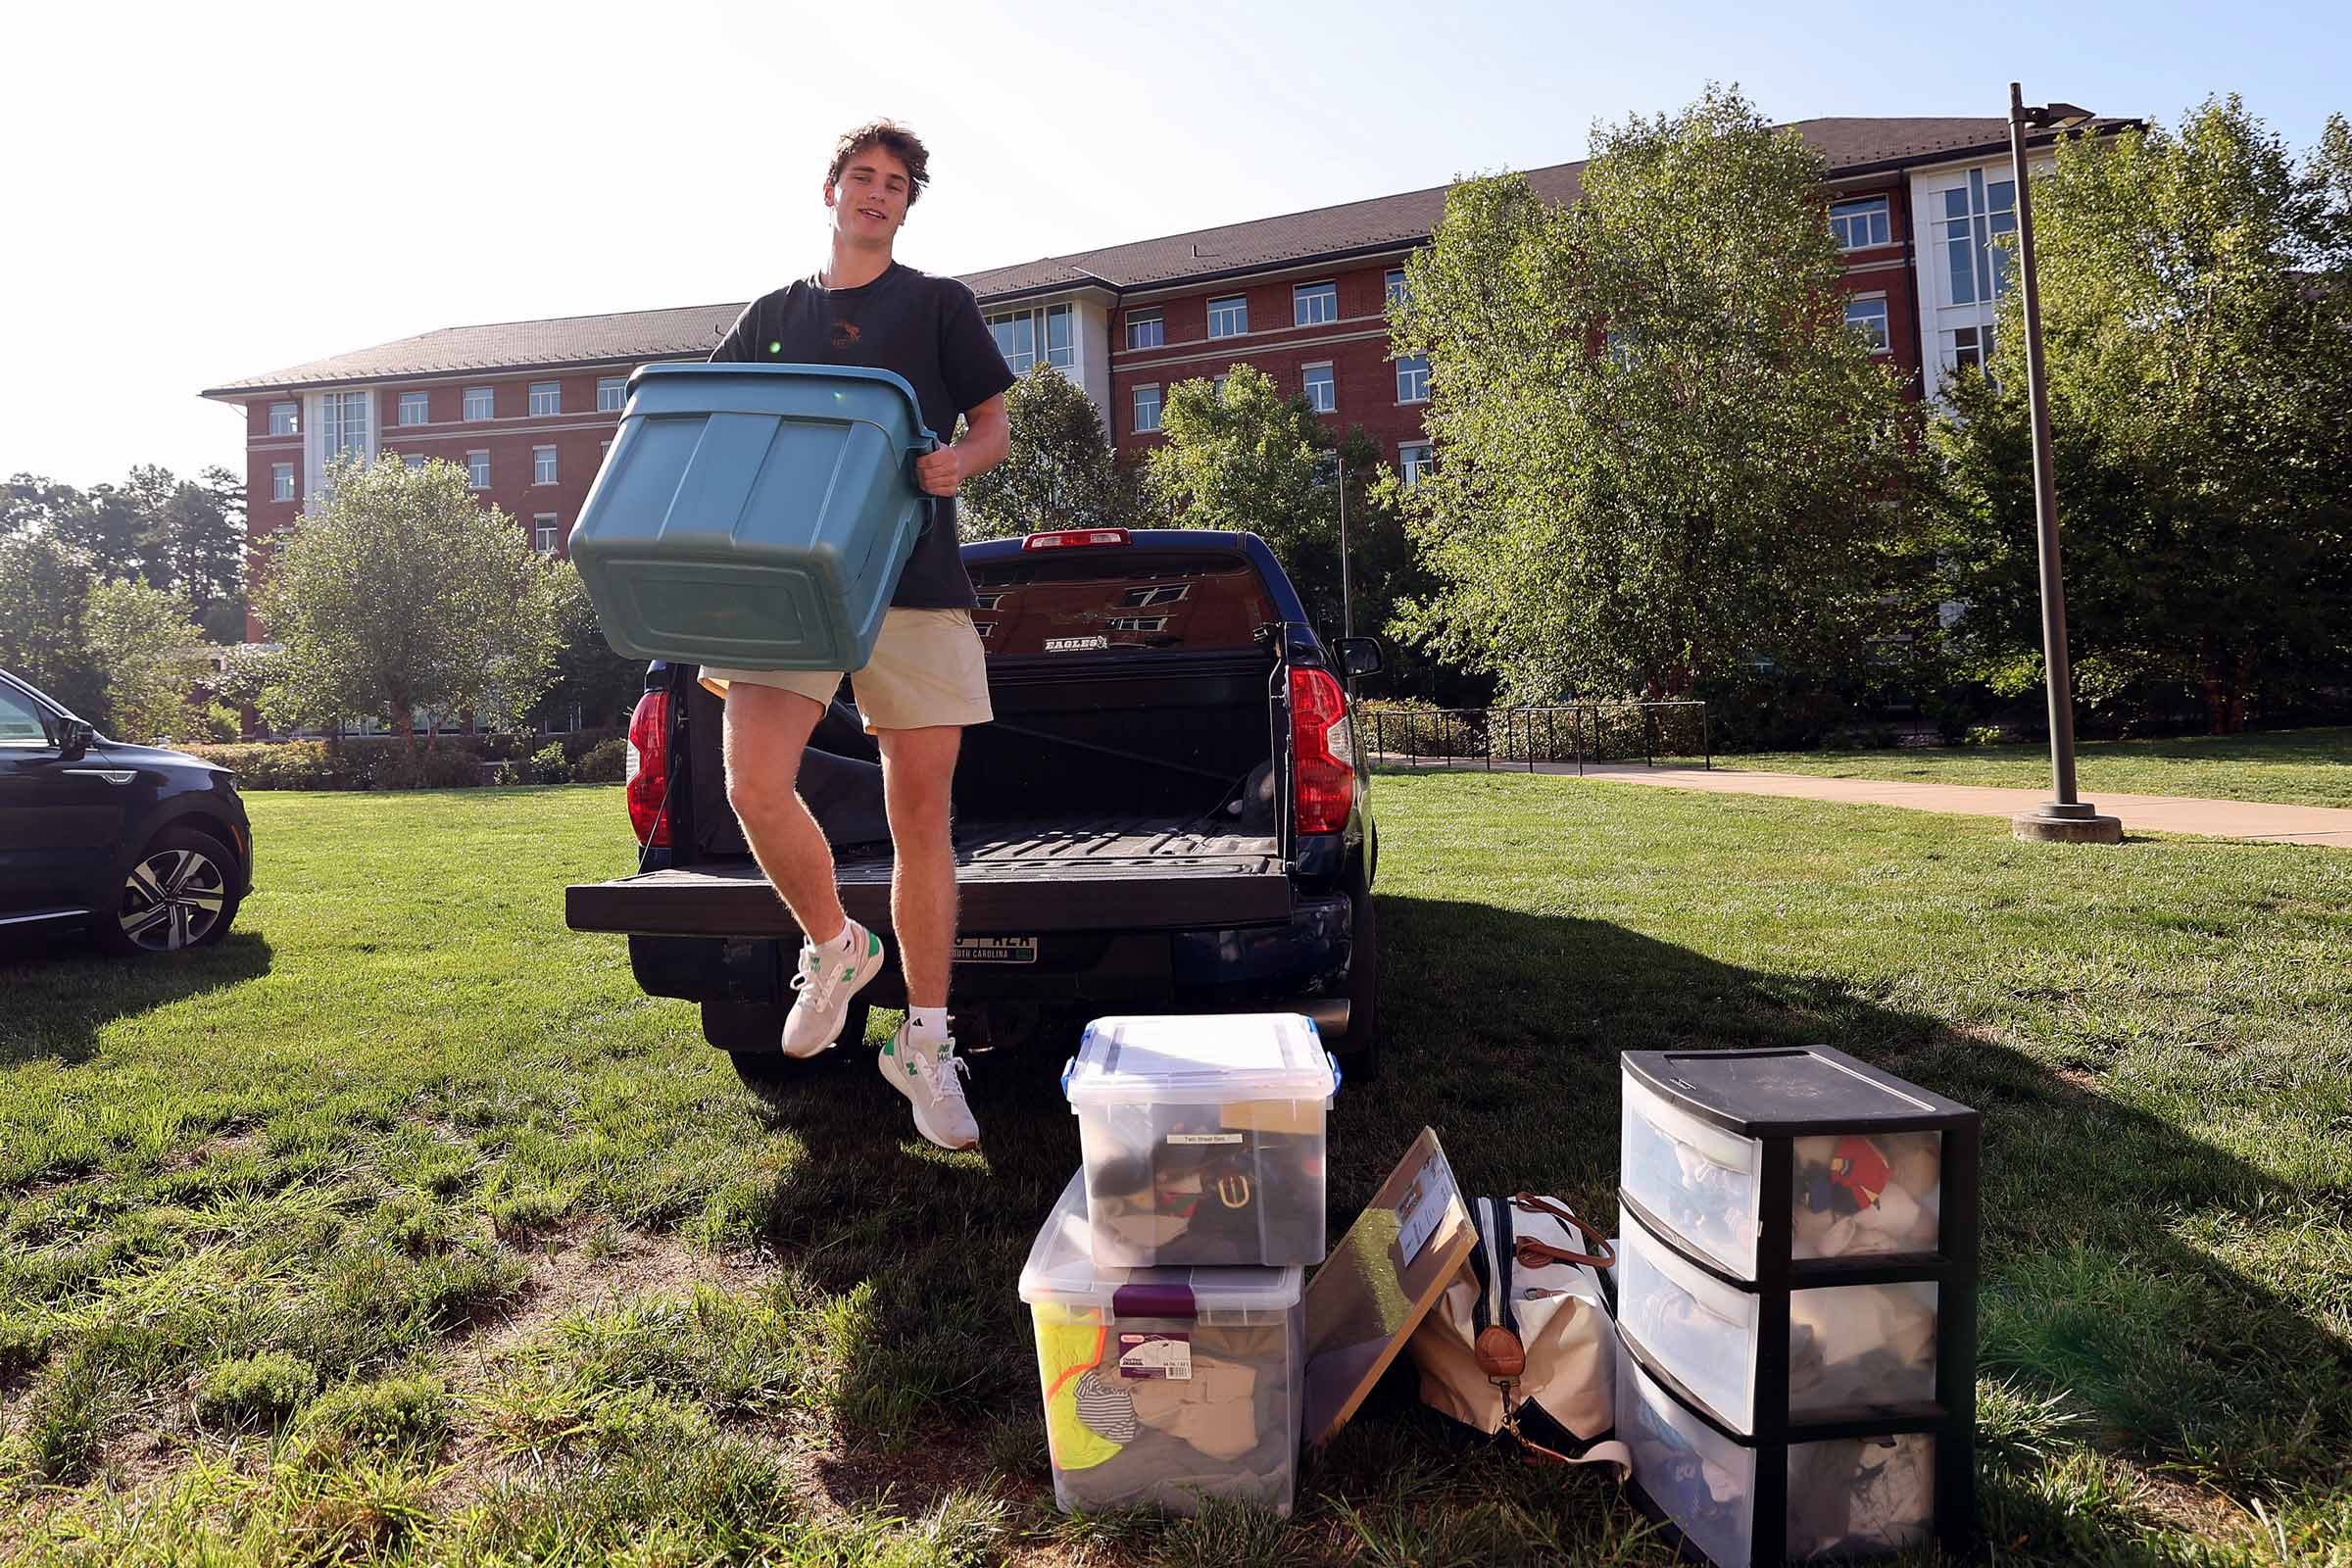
1525	737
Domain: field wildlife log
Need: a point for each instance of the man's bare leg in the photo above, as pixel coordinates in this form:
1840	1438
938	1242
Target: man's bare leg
766	730
919	768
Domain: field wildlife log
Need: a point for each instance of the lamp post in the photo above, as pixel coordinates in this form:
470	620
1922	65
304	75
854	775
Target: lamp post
2063	818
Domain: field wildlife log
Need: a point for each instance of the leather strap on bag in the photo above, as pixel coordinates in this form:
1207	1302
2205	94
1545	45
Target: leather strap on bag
1498	1348
1533	1254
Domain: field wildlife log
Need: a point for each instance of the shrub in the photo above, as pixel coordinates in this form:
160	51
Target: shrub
548	766
256	1389
1982	735
284	766
605	764
428	767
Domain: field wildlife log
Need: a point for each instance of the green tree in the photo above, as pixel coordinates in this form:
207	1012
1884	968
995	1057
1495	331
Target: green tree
1059	471
146	653
1664	456
402	593
588	673
2197	290
44	598
194	546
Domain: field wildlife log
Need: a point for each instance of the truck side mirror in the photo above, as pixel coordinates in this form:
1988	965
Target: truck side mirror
1360	655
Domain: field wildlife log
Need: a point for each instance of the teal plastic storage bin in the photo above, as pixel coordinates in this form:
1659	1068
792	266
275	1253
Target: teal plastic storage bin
753	515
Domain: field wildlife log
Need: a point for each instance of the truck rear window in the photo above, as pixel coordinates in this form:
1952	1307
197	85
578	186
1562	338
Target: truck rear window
1068	604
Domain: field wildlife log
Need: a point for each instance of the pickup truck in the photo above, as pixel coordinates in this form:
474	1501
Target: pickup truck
1168	813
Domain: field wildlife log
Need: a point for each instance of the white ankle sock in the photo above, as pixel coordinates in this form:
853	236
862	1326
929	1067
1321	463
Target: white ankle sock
852	941
930	1023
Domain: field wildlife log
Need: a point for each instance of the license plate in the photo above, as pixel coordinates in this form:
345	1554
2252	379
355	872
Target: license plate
996	950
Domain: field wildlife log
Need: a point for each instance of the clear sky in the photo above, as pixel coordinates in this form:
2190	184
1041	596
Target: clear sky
198	193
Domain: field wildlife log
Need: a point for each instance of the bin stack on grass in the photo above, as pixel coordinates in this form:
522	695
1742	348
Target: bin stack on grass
1796	1306
1167	1285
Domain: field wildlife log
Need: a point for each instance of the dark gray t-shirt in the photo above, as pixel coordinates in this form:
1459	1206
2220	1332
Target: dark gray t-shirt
929	330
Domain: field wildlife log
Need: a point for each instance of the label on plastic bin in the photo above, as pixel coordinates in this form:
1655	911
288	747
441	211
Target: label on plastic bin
1156	1355
1204	1138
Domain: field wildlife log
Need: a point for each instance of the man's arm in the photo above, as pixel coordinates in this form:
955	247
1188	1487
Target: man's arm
987	438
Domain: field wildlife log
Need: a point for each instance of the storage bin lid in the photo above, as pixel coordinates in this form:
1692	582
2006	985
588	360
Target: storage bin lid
1062	1270
830	392
1791	1092
1201	1061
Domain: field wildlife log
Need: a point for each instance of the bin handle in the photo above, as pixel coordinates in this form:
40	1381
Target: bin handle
922	446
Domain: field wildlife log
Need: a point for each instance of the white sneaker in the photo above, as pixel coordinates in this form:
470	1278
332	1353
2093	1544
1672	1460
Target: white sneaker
829	977
932	1079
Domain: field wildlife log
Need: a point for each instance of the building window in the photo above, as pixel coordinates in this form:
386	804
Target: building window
1229	317
1969	348
412	461
1974	216
1857	223
281	481
1314	304
481	402
547	396
604	450
1216	384
543	465
609	390
1146	330
1322	394
1147	410
413	408
1017	336
1396	282
1413	459
343	425
543	533
1868	316
285	419
477	469
1412	381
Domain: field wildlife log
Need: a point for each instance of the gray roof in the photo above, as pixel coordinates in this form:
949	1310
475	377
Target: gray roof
1850	146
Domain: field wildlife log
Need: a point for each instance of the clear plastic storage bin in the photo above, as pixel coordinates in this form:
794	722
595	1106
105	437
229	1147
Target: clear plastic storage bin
1851	1347
1857	1196
1203	1139
1163	1386
1845	1496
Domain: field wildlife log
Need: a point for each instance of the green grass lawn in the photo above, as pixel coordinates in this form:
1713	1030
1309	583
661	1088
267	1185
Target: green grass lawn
2293	767
401	1227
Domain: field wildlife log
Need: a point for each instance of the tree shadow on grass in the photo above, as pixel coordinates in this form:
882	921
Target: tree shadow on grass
57	991
1502	1030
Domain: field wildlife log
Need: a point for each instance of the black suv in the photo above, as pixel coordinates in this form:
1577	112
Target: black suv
1167	815
149	847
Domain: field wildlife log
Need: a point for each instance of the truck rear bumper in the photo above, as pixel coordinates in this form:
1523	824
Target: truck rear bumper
1298	964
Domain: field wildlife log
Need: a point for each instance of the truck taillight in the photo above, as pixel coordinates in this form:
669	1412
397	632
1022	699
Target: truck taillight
647	768
1322	752
1075	538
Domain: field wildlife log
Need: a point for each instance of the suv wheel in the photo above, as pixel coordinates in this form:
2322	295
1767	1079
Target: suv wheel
180	892
751	1034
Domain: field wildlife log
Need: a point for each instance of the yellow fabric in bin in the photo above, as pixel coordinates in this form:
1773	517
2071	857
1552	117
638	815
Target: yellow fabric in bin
1068	1346
1272	1115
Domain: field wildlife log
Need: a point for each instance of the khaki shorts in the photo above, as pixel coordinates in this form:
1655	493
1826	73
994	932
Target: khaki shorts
927	670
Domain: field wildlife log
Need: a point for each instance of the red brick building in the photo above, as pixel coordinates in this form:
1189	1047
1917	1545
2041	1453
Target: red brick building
527	406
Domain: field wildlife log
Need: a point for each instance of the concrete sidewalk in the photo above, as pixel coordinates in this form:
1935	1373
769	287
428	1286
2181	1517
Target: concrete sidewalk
2140	813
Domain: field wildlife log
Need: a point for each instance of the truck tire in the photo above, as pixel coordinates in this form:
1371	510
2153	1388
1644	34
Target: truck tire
1360	1054
748	1033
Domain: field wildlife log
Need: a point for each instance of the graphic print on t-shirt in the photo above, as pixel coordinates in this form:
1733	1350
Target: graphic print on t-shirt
844	334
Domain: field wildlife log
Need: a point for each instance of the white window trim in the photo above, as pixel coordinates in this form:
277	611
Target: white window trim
1243	300
550	454
621	393
483	484
1402	401
1306	383
425	403
1301	292
1131	319
1884	201
293	412
548	521
1885	317
283	471
1159	408
466	404
554	391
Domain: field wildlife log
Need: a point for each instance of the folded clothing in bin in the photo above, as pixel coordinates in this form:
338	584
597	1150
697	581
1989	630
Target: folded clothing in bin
753	515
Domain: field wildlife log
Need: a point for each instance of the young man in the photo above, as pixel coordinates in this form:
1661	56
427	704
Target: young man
927	679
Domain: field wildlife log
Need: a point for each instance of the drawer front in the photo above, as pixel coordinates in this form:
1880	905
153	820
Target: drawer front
1701	1480
1858	1197
1698	1180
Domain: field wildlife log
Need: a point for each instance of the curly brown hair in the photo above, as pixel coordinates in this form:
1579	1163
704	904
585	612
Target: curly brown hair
894	138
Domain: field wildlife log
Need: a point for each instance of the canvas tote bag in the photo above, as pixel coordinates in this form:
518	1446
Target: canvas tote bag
1523	1340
